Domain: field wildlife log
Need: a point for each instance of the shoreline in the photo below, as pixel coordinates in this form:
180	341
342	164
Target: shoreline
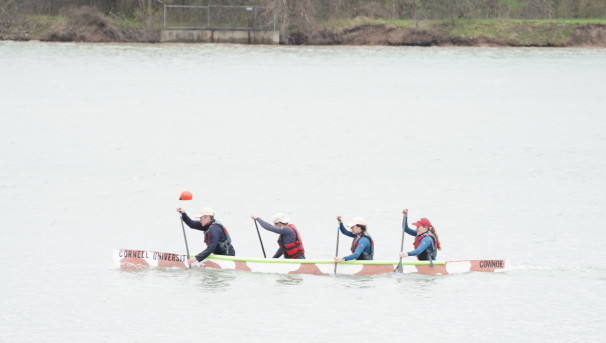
469	34
559	33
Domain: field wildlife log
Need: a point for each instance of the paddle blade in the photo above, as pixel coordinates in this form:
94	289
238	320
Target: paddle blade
399	268
185	195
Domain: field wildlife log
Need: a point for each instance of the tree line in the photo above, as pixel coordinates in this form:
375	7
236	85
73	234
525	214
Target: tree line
305	15
342	9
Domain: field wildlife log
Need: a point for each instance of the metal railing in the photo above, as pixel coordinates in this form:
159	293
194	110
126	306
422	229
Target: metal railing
215	17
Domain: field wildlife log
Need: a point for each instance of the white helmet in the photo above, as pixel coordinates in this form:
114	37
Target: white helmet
280	218
206	211
357	221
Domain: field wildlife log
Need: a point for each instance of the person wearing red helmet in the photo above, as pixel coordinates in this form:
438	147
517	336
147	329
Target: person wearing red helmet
426	242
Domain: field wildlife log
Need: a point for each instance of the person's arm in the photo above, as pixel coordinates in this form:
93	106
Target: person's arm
213	241
406	228
192	224
362	244
269	227
344	230
278	253
425	243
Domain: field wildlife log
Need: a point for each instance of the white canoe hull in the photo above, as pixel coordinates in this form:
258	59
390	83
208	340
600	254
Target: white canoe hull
135	259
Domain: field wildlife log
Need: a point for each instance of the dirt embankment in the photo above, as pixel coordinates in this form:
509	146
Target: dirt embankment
583	35
589	35
87	24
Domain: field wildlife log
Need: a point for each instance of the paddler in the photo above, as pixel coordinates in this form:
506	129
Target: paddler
289	241
426	244
216	237
362	247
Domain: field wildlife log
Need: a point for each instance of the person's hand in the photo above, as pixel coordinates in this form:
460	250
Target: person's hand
339	219
192	260
403	254
254	217
338	259
180	210
405	212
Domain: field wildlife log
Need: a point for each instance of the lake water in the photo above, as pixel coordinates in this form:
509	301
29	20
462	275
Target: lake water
504	150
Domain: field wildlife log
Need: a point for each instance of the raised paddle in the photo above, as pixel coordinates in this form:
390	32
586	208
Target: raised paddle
185	195
260	240
399	268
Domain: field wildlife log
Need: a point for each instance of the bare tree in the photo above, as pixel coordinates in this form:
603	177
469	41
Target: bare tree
296	19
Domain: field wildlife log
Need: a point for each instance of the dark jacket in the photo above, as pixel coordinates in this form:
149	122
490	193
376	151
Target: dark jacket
215	237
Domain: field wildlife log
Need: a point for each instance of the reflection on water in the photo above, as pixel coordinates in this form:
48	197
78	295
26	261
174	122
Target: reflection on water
213	279
139	273
421	285
289	279
355	281
170	272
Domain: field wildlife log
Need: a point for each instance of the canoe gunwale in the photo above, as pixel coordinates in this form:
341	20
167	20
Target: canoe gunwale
318	261
137	259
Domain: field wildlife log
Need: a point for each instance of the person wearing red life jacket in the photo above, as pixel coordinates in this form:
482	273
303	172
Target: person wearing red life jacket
290	242
426	244
362	247
216	237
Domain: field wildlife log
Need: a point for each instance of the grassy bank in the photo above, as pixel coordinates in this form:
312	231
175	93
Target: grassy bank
86	25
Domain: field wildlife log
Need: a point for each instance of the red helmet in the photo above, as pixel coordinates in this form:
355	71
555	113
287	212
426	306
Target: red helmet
422	222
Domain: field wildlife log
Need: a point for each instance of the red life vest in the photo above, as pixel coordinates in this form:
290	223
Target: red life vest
364	255
294	249
424	256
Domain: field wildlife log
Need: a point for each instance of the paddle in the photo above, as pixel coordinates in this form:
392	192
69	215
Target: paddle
399	268
337	249
185	195
185	237
260	240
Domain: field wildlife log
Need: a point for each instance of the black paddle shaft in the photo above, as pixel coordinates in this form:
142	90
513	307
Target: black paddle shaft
185	238
399	267
260	240
337	250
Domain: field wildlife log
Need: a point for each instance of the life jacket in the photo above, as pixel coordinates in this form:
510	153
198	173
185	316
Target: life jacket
294	249
224	245
364	255
425	255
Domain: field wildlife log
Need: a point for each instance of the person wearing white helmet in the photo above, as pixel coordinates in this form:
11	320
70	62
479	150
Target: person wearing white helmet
291	245
216	237
362	247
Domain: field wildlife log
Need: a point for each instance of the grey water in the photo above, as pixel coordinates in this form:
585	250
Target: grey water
503	149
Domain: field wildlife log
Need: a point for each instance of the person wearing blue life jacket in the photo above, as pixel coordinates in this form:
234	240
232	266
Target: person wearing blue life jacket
289	242
426	244
362	247
216	237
